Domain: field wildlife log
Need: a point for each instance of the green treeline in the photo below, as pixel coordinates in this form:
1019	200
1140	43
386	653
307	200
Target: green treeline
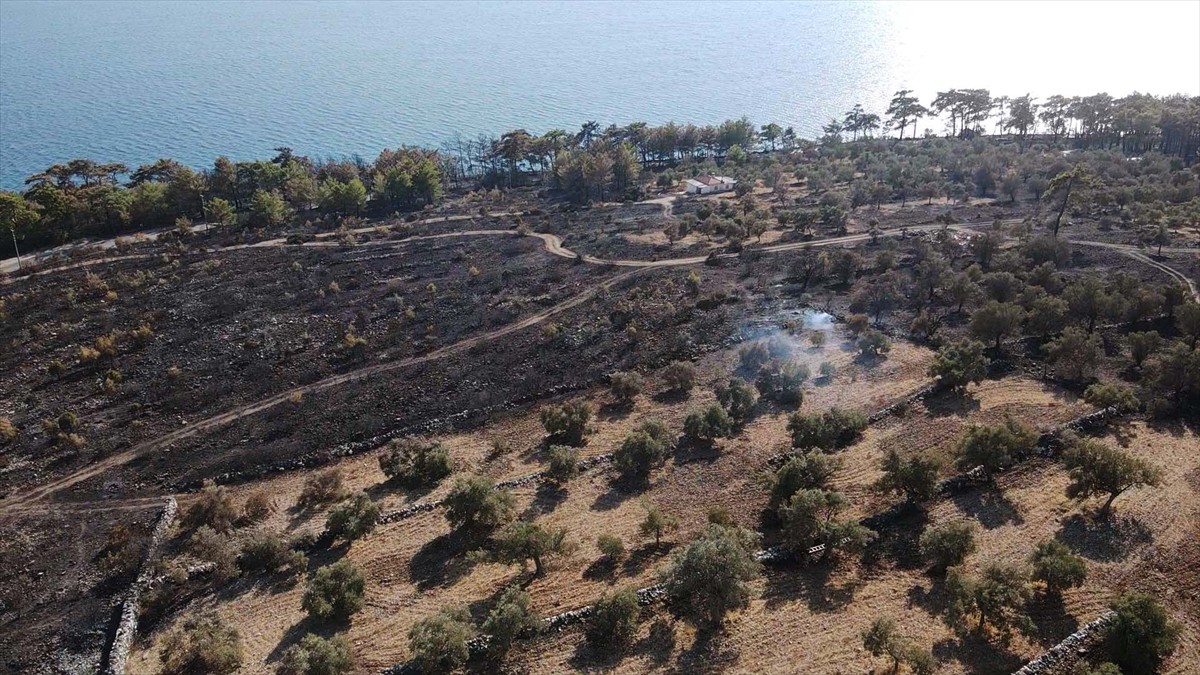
86	198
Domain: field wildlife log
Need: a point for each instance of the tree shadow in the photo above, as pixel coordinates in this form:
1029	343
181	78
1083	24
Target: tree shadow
709	653
659	644
813	585
547	498
898	539
1103	539
620	489
671	396
644	555
977	655
1050	619
951	405
301	628
603	568
391	487
442	561
932	599
989	506
615	410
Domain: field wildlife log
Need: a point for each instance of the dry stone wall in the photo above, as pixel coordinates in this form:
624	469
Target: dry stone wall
1061	654
118	653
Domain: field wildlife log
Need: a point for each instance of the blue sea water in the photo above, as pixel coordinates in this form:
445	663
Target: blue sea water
134	81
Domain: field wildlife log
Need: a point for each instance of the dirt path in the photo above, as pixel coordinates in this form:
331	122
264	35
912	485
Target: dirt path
553	244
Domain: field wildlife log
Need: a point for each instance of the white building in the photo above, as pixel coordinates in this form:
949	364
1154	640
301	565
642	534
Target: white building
704	185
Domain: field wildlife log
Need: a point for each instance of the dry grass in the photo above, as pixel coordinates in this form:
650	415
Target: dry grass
803	621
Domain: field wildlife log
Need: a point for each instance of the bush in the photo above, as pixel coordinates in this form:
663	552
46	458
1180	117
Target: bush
707	424
611	546
808	471
783	383
830	430
413	462
209	545
563	465
474	501
753	356
998	597
1075	354
522	541
257	508
204	644
712	576
1142	346
509	619
625	385
641	451
567	423
1056	567
1141	635
439	643
916	477
354	519
267	553
213	507
958	364
323	488
995	448
738	398
315	655
657	522
873	343
947	545
680	376
613	623
335	592
8	431
1112	395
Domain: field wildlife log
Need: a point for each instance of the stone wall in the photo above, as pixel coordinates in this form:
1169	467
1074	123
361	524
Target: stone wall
118	653
1065	652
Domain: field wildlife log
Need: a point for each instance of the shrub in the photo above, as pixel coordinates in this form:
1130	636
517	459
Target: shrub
413	462
315	655
8	431
204	644
353	519
873	343
809	519
817	338
1141	635
509	619
563	465
783	383
995	448
808	471
916	477
1075	354
1142	346
120	555
753	356
57	368
522	541
567	423
857	324
625	385
213	507
439	643
712	576
830	430
611	546
997	597
738	398
613	623
640	452
267	553
1100	469
209	545
947	545
335	592
1056	567
257	508
323	488
474	501
1112	395
827	370
707	424
680	376
657	522
958	364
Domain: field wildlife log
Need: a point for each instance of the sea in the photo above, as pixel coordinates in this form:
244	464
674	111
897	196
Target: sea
194	79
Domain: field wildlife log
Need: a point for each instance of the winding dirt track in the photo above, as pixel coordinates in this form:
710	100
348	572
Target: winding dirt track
26	501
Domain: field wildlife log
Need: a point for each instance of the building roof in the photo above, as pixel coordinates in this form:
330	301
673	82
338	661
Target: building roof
714	180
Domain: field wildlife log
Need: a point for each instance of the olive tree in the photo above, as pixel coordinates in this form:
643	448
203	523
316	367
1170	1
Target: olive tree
353	519
567	423
958	364
474	501
1141	635
947	545
1055	566
522	541
439	643
613	622
997	598
1099	469
711	576
511	617
915	477
335	592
